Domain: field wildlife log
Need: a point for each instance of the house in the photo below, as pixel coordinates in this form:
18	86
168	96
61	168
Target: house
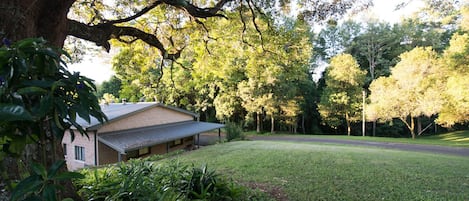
133	130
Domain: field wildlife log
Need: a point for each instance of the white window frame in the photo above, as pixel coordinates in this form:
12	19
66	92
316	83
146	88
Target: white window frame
79	153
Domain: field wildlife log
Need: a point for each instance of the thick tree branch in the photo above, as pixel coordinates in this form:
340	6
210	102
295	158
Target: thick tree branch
101	34
136	15
197	12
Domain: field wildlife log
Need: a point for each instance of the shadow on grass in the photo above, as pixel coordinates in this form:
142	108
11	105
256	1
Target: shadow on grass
456	136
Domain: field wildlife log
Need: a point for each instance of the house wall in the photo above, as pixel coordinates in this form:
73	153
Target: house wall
187	142
83	141
162	148
150	117
107	155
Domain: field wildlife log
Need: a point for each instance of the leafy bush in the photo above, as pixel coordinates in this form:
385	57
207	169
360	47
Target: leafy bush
144	180
39	100
233	131
42	184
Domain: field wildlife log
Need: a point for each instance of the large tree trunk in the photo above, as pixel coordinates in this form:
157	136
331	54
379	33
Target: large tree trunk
35	18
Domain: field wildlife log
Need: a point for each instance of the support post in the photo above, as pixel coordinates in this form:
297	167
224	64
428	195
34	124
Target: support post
219	135
167	147
96	154
363	114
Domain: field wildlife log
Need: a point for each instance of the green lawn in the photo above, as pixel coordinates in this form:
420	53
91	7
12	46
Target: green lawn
453	139
308	171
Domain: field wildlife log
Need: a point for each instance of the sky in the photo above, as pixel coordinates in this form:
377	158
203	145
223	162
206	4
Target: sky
98	67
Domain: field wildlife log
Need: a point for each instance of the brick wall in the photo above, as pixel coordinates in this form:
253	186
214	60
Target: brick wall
83	141
150	117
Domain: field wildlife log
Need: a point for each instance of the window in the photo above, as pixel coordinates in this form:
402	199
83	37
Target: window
79	153
144	151
65	149
175	143
138	153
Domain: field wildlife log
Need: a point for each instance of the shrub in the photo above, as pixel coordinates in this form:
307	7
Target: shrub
144	180
233	131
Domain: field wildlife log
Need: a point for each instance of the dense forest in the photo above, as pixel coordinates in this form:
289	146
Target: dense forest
409	76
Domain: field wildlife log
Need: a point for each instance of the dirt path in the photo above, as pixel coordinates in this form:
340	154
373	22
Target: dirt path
457	151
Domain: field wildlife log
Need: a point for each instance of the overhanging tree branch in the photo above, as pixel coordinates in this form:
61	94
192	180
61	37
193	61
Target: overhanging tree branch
136	15
101	34
197	12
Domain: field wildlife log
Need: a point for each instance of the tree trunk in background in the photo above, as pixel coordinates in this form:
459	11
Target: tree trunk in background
272	125
258	122
419	125
303	123
412	127
374	128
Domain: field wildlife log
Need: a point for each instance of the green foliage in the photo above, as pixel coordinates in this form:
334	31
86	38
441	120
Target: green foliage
233	76
146	180
36	87
409	92
233	131
42	184
341	98
454	82
112	86
39	100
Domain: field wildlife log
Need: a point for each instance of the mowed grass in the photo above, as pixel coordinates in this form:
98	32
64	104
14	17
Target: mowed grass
308	171
452	139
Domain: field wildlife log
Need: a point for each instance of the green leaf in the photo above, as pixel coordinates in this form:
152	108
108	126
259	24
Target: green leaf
49	193
26	186
11	112
39	170
39	83
45	105
31	90
54	168
17	144
68	175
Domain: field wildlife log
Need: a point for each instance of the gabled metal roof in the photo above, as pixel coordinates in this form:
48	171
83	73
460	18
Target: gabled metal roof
116	111
133	139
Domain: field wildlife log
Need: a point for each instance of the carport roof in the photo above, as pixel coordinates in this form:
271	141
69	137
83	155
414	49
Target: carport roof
133	139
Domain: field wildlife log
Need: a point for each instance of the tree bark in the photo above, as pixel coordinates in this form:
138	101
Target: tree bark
410	126
35	18
258	122
272	124
348	124
419	125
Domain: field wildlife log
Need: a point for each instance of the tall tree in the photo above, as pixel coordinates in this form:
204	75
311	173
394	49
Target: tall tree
454	76
341	98
405	93
112	86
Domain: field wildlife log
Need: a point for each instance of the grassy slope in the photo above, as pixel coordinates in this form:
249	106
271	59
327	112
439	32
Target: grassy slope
453	139
307	171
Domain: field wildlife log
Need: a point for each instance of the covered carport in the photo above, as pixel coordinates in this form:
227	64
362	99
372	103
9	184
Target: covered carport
126	141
